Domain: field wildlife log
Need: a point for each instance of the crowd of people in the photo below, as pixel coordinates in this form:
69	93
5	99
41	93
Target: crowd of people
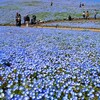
27	20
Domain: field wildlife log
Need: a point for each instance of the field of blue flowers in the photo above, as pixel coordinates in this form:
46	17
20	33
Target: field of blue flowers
49	64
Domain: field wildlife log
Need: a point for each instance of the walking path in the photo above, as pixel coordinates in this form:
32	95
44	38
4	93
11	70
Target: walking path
70	28
43	24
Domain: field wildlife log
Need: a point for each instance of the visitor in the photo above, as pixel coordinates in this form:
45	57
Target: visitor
87	15
80	5
33	20
83	14
69	18
18	19
51	3
27	20
95	14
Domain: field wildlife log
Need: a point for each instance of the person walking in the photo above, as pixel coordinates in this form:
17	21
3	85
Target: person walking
27	20
95	14
80	5
69	18
51	4
83	14
87	15
18	19
33	20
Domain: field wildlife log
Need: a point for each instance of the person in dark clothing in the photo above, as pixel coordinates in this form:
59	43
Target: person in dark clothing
95	14
33	20
27	20
51	3
69	18
87	15
80	5
18	19
83	14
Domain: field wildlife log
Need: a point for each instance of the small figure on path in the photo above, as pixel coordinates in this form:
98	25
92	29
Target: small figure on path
33	20
27	20
95	14
69	18
87	15
83	14
18	19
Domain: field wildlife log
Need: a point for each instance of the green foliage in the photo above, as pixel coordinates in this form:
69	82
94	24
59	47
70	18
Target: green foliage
78	15
10	7
4	86
32	3
43	15
69	95
61	15
15	71
19	92
0	65
35	75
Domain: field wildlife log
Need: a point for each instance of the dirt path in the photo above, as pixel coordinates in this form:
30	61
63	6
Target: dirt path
69	28
43	24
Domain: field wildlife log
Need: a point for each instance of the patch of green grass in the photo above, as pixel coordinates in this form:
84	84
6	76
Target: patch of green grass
61	15
19	92
32	3
64	15
78	15
10	7
42	15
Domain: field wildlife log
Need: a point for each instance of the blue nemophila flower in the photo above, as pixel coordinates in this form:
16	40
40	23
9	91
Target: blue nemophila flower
38	71
80	94
1	95
26	98
1	90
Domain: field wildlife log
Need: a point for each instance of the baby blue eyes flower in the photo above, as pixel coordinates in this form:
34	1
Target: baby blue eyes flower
1	90
80	94
41	72
26	98
1	95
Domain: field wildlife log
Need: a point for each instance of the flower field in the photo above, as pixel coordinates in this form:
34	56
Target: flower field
49	64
